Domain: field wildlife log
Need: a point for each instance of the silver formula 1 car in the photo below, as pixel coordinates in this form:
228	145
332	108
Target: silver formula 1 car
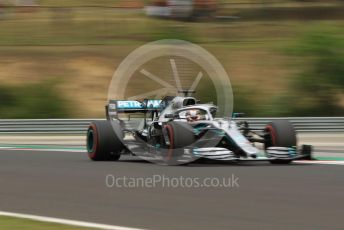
179	130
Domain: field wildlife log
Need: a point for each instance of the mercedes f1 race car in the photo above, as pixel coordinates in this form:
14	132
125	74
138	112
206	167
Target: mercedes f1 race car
179	130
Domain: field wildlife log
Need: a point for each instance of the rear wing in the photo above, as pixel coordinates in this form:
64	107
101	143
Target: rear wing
122	106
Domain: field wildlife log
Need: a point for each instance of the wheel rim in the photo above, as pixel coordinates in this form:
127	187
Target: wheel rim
90	141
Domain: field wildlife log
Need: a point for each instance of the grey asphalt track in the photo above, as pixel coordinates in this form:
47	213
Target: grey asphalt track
68	185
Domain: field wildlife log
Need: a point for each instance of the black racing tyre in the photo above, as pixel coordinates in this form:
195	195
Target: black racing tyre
180	135
103	143
280	133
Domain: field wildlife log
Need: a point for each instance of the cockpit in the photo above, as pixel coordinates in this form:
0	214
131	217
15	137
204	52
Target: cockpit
197	113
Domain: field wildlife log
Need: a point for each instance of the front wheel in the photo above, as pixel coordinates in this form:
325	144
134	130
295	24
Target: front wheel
280	133
177	136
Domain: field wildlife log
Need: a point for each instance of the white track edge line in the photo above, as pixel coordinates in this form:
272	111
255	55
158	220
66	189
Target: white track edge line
319	162
66	221
43	150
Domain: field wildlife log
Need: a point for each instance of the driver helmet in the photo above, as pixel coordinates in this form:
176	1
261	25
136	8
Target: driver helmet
193	115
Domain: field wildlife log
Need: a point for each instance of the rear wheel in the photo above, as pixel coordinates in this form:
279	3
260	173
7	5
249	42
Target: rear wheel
104	141
280	133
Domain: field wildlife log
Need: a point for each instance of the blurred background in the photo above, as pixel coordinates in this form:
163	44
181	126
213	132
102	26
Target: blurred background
284	57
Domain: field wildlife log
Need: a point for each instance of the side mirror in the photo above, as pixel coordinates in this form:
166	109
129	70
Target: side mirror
169	115
237	115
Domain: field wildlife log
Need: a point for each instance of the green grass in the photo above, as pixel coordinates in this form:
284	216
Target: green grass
40	100
79	2
81	47
112	3
99	26
10	223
